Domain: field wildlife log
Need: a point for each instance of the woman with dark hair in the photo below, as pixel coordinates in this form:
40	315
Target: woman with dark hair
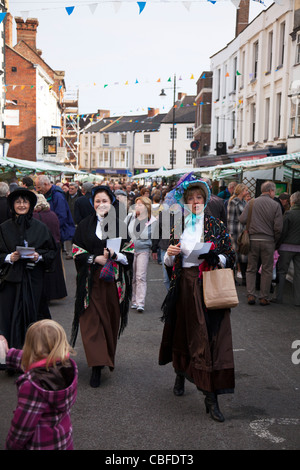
22	276
198	342
101	305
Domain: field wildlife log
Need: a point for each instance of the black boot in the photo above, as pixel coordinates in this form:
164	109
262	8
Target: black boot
95	379
212	407
178	389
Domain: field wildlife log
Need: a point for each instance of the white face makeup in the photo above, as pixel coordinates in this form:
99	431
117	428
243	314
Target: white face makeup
195	201
102	203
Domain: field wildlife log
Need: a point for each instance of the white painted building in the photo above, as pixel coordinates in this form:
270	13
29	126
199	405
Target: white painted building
251	81
128	145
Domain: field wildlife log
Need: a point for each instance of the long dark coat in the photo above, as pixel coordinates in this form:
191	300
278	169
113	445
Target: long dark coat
22	287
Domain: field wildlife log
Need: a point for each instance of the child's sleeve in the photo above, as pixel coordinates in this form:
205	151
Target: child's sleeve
14	358
25	419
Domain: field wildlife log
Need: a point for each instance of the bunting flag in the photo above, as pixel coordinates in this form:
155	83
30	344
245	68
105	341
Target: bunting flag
117	4
70	10
141	6
2	16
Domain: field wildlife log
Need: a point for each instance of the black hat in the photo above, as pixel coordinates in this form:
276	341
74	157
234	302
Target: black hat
101	188
22	192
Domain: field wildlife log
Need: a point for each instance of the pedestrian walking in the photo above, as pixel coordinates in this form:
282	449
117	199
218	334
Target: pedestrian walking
198	342
4	208
55	283
23	274
58	204
101	306
141	226
289	250
236	205
47	390
264	232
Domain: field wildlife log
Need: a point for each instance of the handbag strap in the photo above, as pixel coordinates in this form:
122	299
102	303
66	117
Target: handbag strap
249	214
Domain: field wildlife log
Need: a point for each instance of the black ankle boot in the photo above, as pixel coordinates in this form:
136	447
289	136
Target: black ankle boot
178	389
212	407
95	379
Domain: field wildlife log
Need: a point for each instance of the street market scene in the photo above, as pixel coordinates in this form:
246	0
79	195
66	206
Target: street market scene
150	253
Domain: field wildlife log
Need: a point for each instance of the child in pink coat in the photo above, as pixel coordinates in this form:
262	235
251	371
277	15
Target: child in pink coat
47	390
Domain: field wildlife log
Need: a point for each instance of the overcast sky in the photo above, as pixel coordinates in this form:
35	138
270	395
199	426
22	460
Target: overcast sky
104	44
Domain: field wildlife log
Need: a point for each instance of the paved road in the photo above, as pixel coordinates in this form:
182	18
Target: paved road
135	409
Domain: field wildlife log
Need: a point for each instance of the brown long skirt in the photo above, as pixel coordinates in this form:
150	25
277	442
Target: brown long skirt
200	343
99	325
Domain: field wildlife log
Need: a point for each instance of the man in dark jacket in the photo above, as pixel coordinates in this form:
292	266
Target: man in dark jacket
289	249
83	207
58	203
264	232
4	208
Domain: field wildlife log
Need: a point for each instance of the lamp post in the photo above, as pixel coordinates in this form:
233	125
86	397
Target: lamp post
173	117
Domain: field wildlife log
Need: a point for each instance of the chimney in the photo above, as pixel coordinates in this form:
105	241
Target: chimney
152	112
27	31
242	17
181	96
8	30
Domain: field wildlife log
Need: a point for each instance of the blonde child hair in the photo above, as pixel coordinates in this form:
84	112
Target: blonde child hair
45	339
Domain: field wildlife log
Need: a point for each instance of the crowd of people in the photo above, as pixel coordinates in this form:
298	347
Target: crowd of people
111	230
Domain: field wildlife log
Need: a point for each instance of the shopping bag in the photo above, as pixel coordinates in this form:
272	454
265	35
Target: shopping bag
219	289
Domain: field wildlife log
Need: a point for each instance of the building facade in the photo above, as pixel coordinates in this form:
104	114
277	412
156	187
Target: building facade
251	82
34	95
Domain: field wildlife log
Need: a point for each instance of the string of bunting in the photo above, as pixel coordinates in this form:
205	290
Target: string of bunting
141	5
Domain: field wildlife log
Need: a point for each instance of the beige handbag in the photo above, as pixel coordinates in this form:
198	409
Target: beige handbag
219	289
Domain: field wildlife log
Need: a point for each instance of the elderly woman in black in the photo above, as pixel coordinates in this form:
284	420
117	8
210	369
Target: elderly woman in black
22	278
101	306
198	342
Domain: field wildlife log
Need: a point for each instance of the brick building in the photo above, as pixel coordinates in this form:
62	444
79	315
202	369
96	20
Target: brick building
34	94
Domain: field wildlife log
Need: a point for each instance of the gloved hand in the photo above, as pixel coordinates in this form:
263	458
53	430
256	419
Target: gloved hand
211	258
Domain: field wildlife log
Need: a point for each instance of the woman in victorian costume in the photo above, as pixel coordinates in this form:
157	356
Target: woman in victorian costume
198	342
22	278
101	306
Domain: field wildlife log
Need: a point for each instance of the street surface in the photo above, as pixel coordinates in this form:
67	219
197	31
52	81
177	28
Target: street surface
135	409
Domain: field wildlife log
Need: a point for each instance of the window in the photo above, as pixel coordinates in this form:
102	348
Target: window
85	160
188	157
86	141
105	158
146	138
93	162
281	44
297	60
267	119
14	69
105	139
255	60
189	132
171	133
218	82
253	121
173	160
147	159
233	129
123	139
270	51
121	159
243	70
94	140
225	82
234	74
278	115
